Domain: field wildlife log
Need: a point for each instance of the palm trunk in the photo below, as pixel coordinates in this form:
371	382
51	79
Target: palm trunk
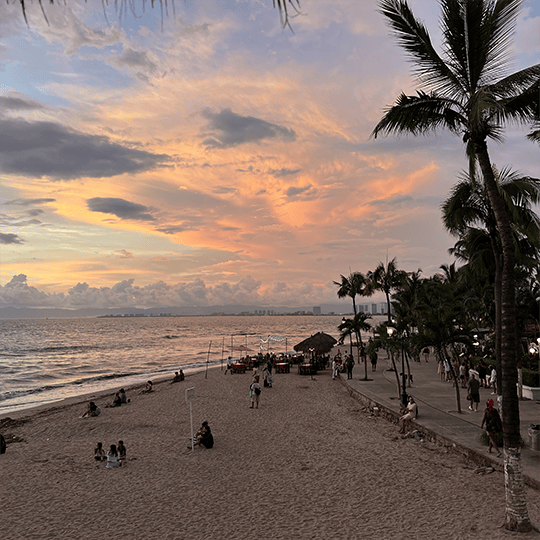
517	517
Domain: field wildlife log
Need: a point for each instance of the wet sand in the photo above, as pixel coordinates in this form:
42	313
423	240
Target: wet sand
309	463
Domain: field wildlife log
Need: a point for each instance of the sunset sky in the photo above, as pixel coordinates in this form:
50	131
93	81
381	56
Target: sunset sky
208	156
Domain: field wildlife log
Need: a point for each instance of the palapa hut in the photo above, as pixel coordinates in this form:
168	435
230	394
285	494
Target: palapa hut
320	343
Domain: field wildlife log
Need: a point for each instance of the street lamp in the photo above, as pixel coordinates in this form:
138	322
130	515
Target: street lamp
391	330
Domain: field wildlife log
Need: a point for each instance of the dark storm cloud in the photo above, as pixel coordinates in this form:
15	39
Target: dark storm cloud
18	104
9	238
281	173
120	208
228	129
40	149
29	202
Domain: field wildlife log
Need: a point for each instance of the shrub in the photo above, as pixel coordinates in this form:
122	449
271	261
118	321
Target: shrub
531	378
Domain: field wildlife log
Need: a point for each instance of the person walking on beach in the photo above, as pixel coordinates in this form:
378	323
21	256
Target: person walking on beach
255	392
350	364
335	367
493	423
229	366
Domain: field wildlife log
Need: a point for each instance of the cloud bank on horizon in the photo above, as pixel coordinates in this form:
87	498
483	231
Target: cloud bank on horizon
219	159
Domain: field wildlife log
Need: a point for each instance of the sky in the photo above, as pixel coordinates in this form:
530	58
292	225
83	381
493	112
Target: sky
204	155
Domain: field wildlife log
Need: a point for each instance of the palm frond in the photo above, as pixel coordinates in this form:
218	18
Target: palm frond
421	114
413	36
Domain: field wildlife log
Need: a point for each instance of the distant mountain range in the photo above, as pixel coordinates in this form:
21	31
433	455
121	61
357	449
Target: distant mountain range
11	312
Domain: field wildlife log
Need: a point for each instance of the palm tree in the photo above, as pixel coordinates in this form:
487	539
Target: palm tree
355	326
387	278
466	92
283	6
469	205
353	285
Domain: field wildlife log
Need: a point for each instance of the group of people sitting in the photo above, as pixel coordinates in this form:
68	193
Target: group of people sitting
203	437
119	398
115	457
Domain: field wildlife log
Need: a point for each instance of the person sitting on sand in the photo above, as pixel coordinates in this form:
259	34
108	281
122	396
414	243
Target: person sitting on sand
178	376
493	423
113	459
123	396
117	401
148	388
409	413
92	410
99	452
122	451
204	436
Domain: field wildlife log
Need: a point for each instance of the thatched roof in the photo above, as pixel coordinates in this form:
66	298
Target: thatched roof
320	342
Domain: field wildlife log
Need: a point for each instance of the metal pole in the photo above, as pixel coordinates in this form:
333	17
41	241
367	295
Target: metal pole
207	360
403	385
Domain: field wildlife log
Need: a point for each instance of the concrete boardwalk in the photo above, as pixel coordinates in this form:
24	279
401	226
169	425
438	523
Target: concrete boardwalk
438	417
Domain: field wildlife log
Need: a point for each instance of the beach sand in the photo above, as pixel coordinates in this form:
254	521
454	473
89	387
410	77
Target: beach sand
309	463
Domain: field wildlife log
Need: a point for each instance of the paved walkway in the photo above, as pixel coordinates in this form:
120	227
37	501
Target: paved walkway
438	417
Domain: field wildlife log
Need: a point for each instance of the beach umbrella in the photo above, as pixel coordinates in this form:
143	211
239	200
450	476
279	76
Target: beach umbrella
319	342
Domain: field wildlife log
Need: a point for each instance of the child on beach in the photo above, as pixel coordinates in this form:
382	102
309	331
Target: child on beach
255	390
148	388
99	452
113	459
122	451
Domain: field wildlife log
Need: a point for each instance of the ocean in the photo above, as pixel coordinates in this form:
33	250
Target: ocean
45	361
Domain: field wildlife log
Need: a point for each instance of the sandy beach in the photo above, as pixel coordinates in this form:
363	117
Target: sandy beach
309	463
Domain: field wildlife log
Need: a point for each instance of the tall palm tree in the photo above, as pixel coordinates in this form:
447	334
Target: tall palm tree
356	326
466	90
387	279
353	285
468	205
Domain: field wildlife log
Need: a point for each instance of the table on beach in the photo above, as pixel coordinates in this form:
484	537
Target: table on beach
283	367
306	369
238	368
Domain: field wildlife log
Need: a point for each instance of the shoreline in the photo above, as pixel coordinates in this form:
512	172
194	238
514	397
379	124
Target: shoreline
81	399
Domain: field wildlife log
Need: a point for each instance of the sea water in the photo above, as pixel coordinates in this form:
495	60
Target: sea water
46	360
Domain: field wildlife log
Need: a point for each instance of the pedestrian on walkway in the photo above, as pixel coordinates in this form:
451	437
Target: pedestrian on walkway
350	364
446	369
373	357
473	387
426	353
493	423
493	380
